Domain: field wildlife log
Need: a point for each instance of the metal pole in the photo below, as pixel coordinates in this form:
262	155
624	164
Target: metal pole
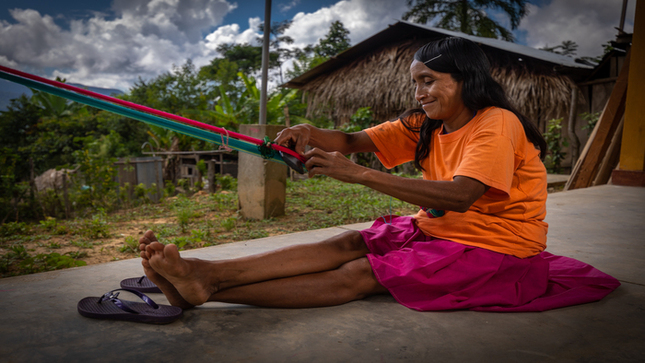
265	62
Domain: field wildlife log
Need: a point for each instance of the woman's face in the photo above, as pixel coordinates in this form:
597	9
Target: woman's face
438	93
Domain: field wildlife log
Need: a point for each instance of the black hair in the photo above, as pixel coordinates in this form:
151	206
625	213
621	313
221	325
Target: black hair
465	61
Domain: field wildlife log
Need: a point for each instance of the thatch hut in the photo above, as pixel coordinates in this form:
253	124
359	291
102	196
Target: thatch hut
375	73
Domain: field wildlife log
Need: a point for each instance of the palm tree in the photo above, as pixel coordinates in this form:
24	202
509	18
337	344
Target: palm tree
468	16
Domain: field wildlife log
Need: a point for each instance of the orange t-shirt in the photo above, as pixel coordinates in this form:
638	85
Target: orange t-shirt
491	148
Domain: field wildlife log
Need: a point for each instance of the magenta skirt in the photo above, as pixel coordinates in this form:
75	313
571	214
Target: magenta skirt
428	274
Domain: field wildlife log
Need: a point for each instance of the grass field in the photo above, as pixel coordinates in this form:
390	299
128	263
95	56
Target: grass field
189	222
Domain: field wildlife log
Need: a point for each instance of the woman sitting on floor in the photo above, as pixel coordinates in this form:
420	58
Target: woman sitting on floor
477	242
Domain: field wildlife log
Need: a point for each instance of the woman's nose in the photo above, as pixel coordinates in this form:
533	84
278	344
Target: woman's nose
418	94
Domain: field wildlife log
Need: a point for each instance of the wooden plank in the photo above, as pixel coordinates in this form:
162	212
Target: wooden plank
610	161
586	168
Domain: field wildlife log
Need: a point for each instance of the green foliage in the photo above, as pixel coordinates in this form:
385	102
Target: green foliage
229	223
325	202
468	17
360	120
169	189
227	182
555	142
247	57
95	227
130	244
18	262
591	119
96	181
185	212
335	41
13	229
195	239
174	91
51	225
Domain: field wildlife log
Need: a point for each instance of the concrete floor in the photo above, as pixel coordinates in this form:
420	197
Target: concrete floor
604	226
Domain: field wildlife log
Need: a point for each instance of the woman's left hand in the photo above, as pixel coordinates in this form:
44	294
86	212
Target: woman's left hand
332	164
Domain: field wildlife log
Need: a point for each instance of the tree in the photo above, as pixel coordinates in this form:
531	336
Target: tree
247	57
175	91
468	16
277	53
335	41
568	47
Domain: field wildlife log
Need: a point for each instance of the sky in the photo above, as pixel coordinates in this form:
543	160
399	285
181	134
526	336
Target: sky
112	43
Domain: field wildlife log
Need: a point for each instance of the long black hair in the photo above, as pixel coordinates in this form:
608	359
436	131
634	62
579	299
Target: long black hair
466	62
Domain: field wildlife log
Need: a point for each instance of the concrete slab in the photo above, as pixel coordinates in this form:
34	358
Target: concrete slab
554	180
601	225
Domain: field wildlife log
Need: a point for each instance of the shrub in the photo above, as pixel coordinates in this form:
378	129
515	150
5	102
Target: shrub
555	142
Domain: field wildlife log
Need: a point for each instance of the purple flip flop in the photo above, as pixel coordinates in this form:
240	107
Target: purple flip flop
141	284
110	307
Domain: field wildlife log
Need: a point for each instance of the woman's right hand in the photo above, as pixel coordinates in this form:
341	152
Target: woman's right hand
296	137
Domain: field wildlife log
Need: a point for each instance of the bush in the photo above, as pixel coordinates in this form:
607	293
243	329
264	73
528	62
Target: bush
554	143
13	228
96	227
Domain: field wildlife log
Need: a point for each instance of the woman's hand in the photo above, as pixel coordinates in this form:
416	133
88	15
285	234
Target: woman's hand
296	138
333	164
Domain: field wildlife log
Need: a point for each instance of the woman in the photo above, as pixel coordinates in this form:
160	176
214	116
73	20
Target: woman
476	243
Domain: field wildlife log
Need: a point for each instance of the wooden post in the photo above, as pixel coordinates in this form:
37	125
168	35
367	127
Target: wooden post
610	160
287	120
32	182
221	164
198	181
212	187
585	170
66	195
571	127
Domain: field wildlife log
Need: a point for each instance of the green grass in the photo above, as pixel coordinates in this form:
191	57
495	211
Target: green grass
315	203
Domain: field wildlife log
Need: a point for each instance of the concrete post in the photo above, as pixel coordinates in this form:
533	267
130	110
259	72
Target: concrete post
261	184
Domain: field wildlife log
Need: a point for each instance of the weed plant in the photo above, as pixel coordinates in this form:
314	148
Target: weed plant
555	141
130	245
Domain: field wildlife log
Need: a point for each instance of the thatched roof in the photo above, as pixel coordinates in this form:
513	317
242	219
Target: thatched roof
376	73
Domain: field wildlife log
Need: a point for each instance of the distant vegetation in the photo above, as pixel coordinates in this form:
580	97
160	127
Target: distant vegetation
43	131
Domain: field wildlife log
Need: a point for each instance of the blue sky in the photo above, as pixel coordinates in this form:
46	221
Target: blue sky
111	43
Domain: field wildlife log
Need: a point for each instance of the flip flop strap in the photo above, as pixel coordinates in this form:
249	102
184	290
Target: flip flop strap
113	297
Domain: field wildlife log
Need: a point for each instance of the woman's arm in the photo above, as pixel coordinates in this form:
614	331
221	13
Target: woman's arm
302	135
457	195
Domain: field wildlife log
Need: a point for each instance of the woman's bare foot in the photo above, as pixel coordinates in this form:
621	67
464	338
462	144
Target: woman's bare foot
191	277
173	296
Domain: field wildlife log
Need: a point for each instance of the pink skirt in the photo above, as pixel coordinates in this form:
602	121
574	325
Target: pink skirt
428	274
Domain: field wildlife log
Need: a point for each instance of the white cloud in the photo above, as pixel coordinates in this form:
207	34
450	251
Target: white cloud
590	23
144	39
284	7
7	63
363	18
231	34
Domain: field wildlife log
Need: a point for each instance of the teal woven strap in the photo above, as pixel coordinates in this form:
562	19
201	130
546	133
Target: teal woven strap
195	132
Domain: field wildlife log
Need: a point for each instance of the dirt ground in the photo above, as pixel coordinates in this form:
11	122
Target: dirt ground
208	225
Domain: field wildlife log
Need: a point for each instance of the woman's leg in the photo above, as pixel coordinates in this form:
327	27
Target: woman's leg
352	281
196	280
